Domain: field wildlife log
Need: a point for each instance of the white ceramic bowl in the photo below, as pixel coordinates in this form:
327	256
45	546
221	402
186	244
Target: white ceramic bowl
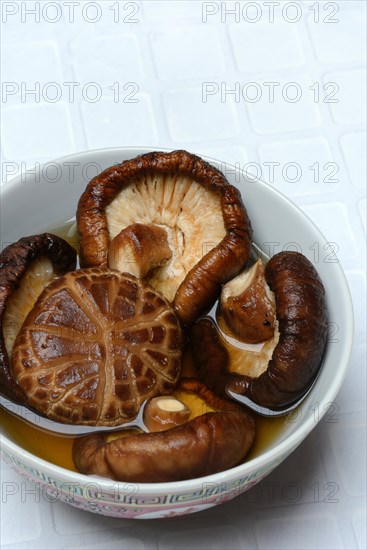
47	197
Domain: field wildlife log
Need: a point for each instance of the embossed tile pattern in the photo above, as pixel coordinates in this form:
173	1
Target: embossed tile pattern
103	59
189	119
18	494
41	125
354	148
109	123
300	167
332	39
305	533
252	52
221	538
350	105
187	52
281	105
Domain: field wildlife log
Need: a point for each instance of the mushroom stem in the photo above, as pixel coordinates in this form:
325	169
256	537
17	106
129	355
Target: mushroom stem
165	412
138	249
248	306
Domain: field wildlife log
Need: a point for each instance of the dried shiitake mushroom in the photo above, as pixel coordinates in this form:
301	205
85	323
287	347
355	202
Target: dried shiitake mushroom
206	444
248	305
26	268
96	345
297	351
200	218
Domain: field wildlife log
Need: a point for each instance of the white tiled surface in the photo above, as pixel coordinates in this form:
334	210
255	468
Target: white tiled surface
183	82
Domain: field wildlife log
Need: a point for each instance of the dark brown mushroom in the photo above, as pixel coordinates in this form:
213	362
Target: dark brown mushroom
206	444
96	344
207	227
298	350
26	267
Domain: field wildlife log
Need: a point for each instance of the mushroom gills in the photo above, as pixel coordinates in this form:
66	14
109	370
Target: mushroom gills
38	275
190	213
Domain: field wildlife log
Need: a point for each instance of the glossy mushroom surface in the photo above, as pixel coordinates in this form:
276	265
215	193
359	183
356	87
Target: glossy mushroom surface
96	345
302	324
26	268
248	306
207	227
165	412
207	444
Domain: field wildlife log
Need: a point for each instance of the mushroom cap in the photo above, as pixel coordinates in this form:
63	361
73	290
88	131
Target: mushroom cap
210	443
301	314
96	344
204	216
42	256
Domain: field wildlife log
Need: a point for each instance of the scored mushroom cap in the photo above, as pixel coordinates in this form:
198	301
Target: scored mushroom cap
96	344
206	224
26	268
210	443
298	348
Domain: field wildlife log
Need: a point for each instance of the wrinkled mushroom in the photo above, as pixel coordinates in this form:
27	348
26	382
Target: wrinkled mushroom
206	444
26	268
248	305
96	345
206	226
295	354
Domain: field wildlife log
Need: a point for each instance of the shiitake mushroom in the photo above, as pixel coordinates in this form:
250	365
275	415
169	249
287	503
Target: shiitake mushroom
26	267
301	315
96	344
207	227
207	444
186	208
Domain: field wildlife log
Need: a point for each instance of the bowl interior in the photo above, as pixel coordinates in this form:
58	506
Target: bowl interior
47	197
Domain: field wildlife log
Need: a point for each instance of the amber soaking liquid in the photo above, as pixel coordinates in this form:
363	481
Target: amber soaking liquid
57	449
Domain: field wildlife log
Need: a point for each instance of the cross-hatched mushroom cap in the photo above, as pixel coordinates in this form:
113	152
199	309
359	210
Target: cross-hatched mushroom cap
96	344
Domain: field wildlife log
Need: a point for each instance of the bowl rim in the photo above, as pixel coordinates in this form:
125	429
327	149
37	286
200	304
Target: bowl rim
271	456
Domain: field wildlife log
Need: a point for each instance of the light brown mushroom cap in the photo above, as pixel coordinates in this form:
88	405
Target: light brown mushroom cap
97	344
208	230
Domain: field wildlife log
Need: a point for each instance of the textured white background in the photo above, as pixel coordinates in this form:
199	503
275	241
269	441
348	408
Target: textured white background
162	62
